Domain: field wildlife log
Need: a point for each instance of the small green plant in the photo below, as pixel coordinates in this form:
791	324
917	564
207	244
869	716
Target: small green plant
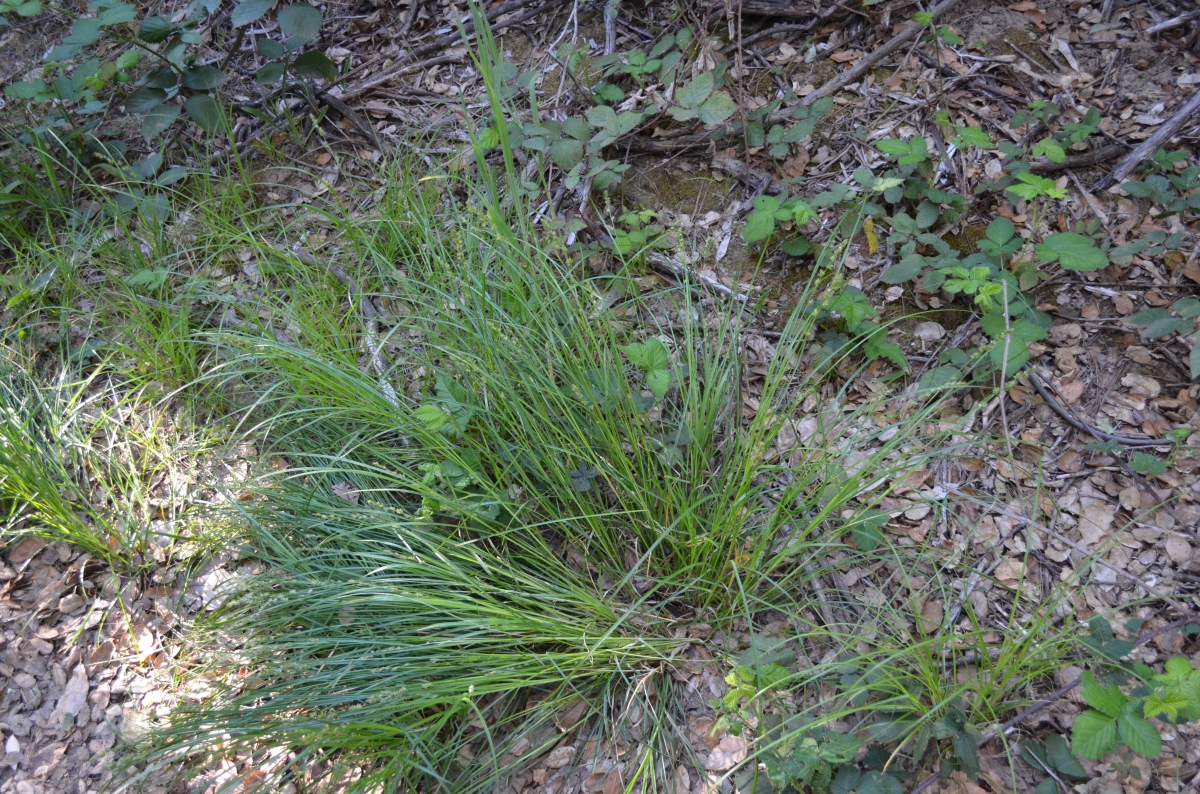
697	100
1114	718
652	359
22	8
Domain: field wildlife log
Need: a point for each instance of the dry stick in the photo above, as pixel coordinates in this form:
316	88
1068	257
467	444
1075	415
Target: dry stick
864	65
351	115
1101	155
1079	424
1173	22
396	70
610	26
1150	145
1049	700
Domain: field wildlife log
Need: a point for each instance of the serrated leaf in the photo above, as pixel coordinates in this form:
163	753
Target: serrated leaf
658	382
1141	736
203	109
1050	149
1108	700
566	152
1093	735
249	11
696	91
1000	231
716	109
874	782
893	146
1073	251
759	226
315	64
1166	326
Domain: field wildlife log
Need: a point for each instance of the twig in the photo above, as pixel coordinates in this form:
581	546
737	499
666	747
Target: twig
413	5
360	123
866	63
1173	22
1052	698
397	71
1150	145
1079	424
684	273
1101	155
610	26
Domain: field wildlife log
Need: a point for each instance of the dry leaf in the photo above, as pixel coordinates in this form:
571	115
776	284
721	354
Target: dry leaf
1147	387
560	756
731	751
930	619
73	699
1095	522
1179	550
1070	461
26	549
347	491
143	635
845	56
1072	391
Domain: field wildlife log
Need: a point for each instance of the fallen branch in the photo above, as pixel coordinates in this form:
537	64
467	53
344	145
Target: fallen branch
351	115
1173	22
1149	146
1078	423
1101	155
411	65
866	63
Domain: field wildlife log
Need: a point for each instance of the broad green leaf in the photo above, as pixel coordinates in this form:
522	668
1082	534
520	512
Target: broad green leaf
566	152
1167	326
127	59
1194	358
716	109
938	378
315	64
203	78
602	116
1050	149
300	21
1141	736
1000	231
155	30
879	783
271	73
117	14
157	121
658	381
207	114
1093	735
893	146
269	48
145	100
1061	758
1186	307
249	11
974	136
29	9
759	226
696	91
1073	251
906	269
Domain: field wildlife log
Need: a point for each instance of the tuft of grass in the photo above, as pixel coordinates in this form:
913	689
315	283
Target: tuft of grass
526	529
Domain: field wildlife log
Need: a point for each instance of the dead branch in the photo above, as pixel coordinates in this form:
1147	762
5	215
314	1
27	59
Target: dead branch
1149	146
1101	155
1070	418
865	64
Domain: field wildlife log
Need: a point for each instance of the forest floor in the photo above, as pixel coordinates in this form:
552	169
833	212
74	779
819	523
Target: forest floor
1055	478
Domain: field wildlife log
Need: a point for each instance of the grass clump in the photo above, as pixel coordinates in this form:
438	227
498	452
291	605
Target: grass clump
553	503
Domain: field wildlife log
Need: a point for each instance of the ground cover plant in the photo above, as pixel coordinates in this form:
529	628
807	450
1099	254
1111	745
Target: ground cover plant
457	457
